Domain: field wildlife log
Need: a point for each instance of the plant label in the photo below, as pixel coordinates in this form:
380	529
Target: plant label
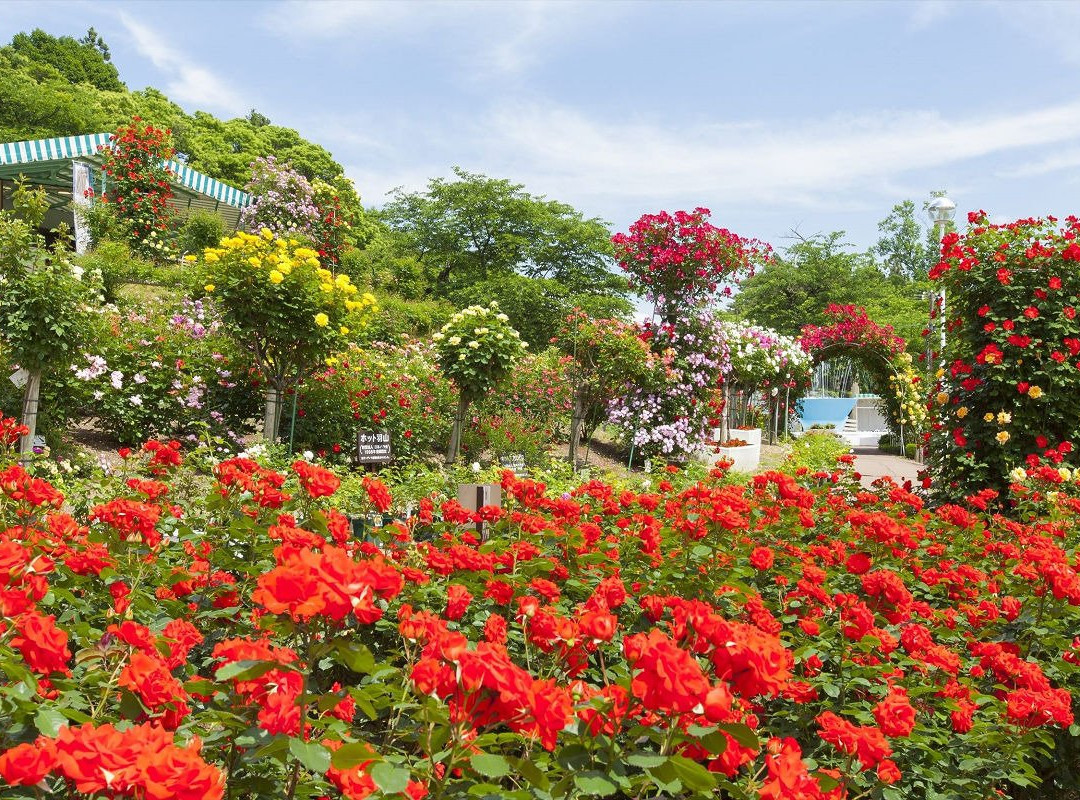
373	447
515	462
19	377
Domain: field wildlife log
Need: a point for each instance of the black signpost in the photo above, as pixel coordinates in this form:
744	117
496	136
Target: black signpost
373	447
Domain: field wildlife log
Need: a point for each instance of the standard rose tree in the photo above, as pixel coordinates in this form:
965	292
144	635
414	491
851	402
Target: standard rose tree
288	310
476	349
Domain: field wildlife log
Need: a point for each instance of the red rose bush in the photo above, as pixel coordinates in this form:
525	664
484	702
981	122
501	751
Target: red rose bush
166	633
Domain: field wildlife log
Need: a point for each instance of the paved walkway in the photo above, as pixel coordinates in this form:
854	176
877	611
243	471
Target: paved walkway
872	464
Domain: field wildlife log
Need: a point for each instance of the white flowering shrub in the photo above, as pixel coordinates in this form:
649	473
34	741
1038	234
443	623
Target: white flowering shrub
476	350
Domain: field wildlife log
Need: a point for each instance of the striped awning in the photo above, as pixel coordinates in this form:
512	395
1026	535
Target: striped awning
87	146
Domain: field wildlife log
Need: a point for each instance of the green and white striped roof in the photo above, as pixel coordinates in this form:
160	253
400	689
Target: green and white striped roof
87	146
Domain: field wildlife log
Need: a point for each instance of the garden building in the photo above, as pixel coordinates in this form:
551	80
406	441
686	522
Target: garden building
67	166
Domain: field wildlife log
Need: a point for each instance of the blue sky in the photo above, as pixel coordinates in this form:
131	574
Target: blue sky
775	115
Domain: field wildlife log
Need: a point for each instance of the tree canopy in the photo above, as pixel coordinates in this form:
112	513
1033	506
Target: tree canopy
473	228
799	284
85	60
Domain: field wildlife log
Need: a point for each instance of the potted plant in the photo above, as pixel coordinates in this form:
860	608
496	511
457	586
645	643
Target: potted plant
744	456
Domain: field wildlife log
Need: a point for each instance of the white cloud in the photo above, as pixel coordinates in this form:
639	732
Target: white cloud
842	161
504	38
188	82
926	13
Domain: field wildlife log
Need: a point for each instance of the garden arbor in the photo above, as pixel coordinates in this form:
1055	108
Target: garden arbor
880	352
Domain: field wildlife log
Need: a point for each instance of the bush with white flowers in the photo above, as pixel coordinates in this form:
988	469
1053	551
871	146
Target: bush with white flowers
476	349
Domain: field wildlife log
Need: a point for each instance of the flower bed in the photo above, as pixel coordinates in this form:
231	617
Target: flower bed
796	637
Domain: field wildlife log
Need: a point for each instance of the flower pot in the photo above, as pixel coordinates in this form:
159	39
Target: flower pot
744	459
751	436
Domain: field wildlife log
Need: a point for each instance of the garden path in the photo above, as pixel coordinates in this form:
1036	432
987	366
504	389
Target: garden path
872	464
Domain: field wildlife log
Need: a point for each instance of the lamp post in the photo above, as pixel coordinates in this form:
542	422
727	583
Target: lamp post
942	210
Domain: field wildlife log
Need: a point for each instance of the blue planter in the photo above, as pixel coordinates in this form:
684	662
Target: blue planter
825	410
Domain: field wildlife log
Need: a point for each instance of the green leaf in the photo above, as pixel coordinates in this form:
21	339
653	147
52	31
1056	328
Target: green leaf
693	775
355	656
312	755
350	755
390	779
645	760
532	773
49	721
490	765
742	734
247	670
595	783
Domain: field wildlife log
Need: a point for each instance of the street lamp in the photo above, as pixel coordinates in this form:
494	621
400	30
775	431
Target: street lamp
942	210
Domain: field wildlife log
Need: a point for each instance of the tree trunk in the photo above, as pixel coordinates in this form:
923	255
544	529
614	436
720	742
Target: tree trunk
455	434
271	413
31	395
576	423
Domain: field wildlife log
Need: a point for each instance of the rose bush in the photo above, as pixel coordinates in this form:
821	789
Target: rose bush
797	636
288	311
1006	396
176	374
396	388
476	350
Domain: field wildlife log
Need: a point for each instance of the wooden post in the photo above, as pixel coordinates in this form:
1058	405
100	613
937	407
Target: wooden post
575	429
455	434
271	413
31	395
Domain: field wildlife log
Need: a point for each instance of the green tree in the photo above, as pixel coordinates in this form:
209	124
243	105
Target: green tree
474	228
85	60
797	286
906	249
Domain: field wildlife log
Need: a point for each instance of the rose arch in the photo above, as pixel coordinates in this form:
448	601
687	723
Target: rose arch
851	333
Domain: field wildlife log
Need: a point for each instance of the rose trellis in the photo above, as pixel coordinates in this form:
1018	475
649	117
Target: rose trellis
881	353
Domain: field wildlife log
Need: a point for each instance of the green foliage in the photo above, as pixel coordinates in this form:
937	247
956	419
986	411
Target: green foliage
399	319
796	288
906	249
532	304
474	228
815	451
201	229
477	349
43	304
398	389
85	60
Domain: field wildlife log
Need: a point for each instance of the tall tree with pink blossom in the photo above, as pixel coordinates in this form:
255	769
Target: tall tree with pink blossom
683	260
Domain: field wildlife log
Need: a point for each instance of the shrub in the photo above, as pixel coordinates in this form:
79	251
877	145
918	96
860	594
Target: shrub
201	229
396	388
286	309
476	349
166	374
1007	391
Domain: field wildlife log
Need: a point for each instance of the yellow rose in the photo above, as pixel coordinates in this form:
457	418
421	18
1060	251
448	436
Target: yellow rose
190	259
209	287
344	331
988	417
1002	437
255	262
276	277
1035	392
322	320
326	287
266	234
211	258
962	412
